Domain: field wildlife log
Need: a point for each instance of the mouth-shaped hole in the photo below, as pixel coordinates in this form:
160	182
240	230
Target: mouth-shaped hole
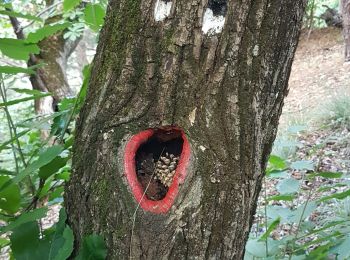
155	165
157	160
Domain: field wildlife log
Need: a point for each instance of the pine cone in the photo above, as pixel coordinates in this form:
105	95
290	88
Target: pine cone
165	169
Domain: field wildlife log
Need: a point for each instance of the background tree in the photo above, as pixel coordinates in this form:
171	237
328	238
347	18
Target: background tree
345	11
226	91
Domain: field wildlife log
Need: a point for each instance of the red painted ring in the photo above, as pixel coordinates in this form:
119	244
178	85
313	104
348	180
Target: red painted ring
163	205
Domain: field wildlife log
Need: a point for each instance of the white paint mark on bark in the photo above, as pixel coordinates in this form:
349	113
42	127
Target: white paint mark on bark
162	10
256	50
192	116
212	24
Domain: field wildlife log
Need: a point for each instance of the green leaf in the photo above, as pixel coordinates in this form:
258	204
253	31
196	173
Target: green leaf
20	100
6	172
5	144
33	92
24	218
52	167
94	16
59	241
25	240
20	15
15	70
276	162
330	175
281	197
339	196
44	158
45	31
57	193
67	248
342	250
4	242
70	4
17	49
83	90
258	248
10	197
271	228
302	165
93	248
288	186
303	212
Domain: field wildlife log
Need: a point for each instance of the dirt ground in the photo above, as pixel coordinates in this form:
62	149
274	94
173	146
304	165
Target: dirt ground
318	72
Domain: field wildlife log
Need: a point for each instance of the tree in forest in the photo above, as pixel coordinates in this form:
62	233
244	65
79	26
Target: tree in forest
50	63
345	11
180	116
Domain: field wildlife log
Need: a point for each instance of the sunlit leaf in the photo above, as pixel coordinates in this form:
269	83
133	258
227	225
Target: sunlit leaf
94	16
70	4
339	196
44	158
27	91
302	165
20	15
17	49
276	162
15	70
45	31
24	218
20	100
288	186
330	175
271	228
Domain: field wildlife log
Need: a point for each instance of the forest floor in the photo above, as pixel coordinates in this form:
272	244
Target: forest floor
319	74
319	82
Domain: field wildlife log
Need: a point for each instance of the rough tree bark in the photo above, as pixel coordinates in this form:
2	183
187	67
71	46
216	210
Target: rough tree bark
225	90
345	11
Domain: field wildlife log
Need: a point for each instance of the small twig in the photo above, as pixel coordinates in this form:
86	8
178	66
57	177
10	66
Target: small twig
43	12
13	127
266	227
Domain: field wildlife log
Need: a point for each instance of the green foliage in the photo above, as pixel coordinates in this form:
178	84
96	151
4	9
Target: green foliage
45	32
15	70
39	167
315	9
70	4
17	49
20	15
55	244
10	197
327	239
94	16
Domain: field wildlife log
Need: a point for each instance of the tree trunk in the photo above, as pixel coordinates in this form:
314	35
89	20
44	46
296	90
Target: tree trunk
224	90
345	10
54	53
